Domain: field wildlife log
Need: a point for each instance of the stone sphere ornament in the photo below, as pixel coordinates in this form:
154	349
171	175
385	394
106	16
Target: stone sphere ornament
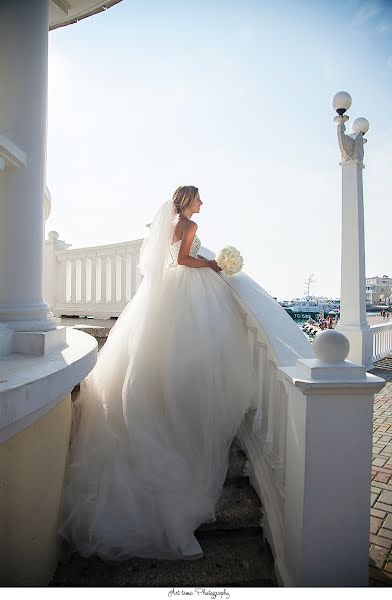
360	124
341	102
331	346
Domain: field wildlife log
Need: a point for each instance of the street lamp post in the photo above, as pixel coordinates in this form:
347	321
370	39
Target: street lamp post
353	322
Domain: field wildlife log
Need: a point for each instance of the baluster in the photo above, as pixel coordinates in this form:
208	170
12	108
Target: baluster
103	279
124	260
61	281
280	467
133	274
261	359
265	394
252	338
113	278
276	419
72	298
272	407
93	297
83	277
68	280
139	277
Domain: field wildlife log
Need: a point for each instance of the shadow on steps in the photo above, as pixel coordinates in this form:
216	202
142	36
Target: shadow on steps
235	554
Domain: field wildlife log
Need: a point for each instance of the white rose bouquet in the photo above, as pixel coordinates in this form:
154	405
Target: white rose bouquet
229	260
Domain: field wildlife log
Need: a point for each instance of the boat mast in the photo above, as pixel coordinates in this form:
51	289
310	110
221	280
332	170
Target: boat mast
308	283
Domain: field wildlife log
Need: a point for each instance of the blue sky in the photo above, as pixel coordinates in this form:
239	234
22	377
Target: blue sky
235	98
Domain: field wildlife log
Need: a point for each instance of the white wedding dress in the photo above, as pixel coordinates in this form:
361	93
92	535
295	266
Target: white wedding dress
158	414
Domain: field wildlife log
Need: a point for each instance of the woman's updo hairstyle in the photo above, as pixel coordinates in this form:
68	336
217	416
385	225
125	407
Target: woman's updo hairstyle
184	196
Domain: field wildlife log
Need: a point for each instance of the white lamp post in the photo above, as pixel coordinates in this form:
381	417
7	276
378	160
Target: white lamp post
353	322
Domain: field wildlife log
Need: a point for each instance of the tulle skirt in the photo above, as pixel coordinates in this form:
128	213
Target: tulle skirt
157	415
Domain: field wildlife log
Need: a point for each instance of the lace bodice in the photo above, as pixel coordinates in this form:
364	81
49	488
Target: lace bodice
174	249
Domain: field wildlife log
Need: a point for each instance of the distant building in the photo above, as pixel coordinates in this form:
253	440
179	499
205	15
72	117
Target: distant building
379	290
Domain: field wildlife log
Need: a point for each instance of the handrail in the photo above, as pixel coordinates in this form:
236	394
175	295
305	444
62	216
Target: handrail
277	342
278	329
382	340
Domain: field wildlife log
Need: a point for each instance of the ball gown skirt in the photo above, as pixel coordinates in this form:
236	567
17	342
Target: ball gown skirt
158	414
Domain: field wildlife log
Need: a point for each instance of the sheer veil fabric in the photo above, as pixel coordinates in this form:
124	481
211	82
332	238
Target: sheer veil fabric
149	453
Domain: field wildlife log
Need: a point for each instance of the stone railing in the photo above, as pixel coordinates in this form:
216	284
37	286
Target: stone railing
97	281
382	340
302	448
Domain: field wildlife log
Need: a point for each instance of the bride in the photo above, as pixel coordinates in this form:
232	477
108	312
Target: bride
162	405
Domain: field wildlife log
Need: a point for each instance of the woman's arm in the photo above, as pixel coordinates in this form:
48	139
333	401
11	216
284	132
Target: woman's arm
185	246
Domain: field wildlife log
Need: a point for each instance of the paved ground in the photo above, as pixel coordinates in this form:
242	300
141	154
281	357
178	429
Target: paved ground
377	319
381	496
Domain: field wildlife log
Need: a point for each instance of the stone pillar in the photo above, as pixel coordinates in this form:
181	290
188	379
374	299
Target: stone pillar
328	467
23	84
353	322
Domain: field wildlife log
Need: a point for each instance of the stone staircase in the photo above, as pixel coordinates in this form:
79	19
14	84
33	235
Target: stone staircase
100	332
235	552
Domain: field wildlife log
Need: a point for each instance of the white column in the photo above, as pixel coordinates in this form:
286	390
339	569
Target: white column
23	85
328	467
353	322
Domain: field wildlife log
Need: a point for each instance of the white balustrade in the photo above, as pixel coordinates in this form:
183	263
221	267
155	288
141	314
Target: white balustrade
95	282
382	340
295	440
310	413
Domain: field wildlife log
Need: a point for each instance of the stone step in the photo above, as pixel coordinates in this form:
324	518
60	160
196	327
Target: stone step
230	559
98	331
237	464
239	507
235	553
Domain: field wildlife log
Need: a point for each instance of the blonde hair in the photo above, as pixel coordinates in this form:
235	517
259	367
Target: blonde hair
184	196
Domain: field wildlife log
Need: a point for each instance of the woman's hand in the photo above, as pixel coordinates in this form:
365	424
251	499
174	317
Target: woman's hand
214	266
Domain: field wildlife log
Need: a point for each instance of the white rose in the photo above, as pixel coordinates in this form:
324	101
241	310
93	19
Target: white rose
229	260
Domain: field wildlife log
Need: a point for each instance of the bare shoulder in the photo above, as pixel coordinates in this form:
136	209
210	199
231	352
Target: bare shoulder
190	226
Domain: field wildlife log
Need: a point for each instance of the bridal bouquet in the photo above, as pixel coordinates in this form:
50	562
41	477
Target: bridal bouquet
229	260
